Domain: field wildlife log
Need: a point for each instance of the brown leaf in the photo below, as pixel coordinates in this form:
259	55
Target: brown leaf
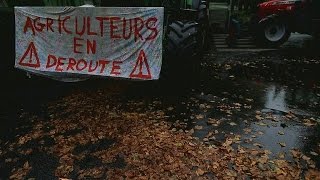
282	144
231	173
200	172
26	165
312	174
260	133
259	117
258	145
295	153
281	155
199	116
306	158
247	130
262	124
214	122
308	122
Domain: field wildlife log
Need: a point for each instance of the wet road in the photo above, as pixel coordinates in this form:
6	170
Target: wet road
266	100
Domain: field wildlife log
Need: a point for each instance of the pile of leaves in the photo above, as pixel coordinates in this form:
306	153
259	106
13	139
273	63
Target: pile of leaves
145	142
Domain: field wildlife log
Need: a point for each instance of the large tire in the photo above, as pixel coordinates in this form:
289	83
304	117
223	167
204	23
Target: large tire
189	38
273	32
182	48
184	39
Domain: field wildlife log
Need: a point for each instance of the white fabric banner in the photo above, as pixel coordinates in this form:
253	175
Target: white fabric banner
68	42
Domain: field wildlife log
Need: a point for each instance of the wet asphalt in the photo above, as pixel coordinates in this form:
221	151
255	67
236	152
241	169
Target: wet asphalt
270	99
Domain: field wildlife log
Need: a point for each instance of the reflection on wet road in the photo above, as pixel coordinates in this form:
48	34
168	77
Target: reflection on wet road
275	99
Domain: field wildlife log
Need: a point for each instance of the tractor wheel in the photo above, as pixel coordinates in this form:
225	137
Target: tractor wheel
183	47
184	39
273	32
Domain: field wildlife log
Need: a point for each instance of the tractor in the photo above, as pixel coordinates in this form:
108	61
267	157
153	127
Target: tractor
186	24
276	19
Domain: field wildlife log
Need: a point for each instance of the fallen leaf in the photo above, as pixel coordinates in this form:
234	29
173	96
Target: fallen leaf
281	155
281	133
214	122
170	108
312	174
232	124
200	172
228	142
295	153
262	124
197	127
200	116
314	153
237	104
260	133
247	130
26	165
209	134
202	106
308	122
282	144
306	158
249	100
258	145
259	117
261	167
231	173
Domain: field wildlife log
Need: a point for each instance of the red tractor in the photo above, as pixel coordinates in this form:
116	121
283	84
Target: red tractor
275	20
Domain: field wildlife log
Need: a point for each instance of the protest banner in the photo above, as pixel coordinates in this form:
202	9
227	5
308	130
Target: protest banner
102	41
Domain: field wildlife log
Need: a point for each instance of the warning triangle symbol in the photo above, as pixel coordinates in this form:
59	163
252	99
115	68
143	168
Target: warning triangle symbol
137	70
30	57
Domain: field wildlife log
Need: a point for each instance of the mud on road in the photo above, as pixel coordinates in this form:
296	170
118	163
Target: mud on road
247	115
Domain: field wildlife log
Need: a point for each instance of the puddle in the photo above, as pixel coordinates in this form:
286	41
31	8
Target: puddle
275	99
266	103
280	98
280	128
